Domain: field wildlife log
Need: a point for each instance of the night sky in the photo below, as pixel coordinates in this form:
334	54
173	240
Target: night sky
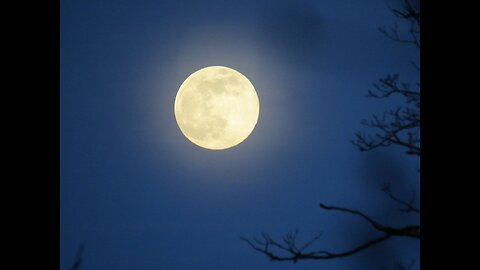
139	195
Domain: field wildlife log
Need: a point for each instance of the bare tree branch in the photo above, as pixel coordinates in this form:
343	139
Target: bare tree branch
408	205
408	231
411	14
78	259
291	252
392	33
294	256
400	126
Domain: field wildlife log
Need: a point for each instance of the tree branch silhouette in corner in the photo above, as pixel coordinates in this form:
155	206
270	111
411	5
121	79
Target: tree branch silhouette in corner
399	127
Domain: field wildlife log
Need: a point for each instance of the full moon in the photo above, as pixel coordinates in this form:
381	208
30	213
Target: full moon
216	107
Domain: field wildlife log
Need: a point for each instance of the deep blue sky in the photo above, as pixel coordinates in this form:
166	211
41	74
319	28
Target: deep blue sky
141	196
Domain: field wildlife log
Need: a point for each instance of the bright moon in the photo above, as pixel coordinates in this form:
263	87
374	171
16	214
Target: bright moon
216	107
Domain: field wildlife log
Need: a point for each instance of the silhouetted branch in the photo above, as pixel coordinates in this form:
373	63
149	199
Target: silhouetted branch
390	85
408	231
78	259
287	250
294	255
392	33
408	205
400	126
410	13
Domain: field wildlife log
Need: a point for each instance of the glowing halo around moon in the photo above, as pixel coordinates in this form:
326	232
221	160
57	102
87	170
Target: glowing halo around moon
216	107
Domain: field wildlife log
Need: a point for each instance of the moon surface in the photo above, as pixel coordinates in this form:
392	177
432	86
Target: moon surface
217	107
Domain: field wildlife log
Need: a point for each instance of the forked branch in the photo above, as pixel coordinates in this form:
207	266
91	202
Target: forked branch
408	206
287	250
